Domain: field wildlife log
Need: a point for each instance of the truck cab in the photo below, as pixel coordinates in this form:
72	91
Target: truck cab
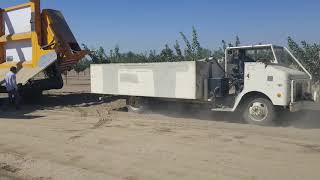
263	79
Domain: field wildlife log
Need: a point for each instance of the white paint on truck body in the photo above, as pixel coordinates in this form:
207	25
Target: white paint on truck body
267	79
16	22
270	80
177	80
132	81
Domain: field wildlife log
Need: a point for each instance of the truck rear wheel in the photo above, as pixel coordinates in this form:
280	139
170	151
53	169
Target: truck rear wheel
135	105
259	111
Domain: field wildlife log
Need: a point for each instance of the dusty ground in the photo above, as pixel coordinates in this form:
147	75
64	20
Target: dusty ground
70	134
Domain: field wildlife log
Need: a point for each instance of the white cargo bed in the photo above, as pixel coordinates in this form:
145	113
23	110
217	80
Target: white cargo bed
178	80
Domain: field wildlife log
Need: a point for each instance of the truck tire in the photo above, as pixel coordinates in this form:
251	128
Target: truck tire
135	105
259	111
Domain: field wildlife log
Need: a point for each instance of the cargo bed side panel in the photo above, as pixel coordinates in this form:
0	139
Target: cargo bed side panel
164	80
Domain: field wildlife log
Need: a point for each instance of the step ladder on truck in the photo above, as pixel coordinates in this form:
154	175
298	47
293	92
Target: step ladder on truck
36	41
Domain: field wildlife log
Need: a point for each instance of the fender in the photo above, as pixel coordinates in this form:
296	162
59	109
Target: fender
245	95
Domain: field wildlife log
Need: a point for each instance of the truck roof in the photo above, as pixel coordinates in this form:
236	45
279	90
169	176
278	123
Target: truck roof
260	46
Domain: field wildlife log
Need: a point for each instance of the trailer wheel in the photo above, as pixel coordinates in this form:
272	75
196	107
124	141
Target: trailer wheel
259	111
135	105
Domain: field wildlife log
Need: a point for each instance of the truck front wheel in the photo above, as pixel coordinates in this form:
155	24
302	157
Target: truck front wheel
259	111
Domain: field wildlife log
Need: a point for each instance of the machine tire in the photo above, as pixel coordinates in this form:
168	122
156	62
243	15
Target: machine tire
259	111
135	105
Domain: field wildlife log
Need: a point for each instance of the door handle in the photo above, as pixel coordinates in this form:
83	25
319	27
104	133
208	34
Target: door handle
248	76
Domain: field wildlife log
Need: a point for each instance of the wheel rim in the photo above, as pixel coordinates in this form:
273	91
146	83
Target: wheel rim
258	111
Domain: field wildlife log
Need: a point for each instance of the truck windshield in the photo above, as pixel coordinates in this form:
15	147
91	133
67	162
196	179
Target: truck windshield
261	54
285	59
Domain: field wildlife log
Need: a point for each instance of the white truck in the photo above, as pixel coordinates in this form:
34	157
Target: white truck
256	80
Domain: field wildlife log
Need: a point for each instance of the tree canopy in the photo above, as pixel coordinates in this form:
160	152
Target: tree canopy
307	53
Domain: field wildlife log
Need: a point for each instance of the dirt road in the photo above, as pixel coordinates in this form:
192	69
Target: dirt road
70	136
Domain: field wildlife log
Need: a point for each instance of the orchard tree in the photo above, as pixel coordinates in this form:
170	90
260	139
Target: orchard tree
98	56
81	66
196	48
153	56
308	54
188	52
178	52
167	54
237	42
193	50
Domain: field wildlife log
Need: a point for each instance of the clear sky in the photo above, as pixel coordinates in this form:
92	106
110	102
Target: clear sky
141	25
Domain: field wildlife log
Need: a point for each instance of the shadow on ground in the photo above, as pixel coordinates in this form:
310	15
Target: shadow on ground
192	111
47	102
308	118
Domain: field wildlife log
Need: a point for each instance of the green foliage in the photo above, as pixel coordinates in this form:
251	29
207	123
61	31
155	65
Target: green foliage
129	57
237	43
188	51
167	54
133	58
193	51
82	65
153	57
97	56
115	56
224	45
196	48
308	54
178	52
218	54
